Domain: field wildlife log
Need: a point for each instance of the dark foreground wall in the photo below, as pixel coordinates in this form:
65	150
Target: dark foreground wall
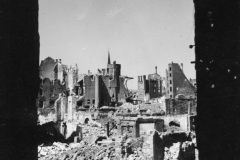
19	80
217	40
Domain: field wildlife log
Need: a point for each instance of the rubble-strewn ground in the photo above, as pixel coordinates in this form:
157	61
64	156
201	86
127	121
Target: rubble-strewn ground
88	148
94	143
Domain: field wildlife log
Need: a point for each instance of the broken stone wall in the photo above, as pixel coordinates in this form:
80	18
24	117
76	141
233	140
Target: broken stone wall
47	88
89	81
153	88
105	98
180	106
158	147
141	87
182	119
186	89
153	146
122	91
83	116
179	146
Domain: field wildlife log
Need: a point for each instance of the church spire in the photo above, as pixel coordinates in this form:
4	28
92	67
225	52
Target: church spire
109	61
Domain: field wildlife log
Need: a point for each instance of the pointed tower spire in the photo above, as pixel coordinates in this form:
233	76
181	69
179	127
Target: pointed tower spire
109	61
76	68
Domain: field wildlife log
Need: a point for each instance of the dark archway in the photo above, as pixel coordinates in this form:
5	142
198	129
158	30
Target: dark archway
86	121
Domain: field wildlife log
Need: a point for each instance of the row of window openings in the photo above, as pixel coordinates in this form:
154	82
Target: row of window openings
170	75
170	83
89	101
170	90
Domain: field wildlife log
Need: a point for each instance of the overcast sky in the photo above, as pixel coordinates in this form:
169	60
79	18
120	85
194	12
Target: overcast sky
140	34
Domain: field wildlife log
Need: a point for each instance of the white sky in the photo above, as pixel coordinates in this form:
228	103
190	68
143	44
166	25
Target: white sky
140	34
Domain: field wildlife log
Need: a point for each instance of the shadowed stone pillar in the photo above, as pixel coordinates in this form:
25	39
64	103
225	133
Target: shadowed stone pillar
70	111
97	91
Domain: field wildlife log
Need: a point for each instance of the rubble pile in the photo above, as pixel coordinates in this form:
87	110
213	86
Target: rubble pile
173	152
56	150
50	117
91	133
185	151
95	145
172	129
180	146
63	151
128	108
153	108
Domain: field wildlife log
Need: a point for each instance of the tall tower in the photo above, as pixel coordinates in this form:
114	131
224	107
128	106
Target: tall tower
109	61
114	71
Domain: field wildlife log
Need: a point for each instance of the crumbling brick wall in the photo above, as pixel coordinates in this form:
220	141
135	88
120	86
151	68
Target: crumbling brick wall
122	91
153	88
180	106
186	89
89	81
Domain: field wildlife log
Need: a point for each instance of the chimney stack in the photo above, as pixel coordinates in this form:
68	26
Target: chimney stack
144	77
60	60
56	60
156	69
103	71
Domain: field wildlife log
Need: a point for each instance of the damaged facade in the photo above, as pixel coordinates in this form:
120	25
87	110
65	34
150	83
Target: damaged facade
53	81
177	82
108	87
91	111
151	86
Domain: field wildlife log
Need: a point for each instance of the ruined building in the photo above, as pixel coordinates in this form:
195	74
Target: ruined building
151	86
58	89
53	79
177	82
108	87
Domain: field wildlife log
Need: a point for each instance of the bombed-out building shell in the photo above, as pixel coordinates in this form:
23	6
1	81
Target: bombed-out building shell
177	82
107	87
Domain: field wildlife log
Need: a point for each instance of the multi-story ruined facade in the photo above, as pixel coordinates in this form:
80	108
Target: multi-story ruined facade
63	91
52	81
107	87
151	86
56	79
177	82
